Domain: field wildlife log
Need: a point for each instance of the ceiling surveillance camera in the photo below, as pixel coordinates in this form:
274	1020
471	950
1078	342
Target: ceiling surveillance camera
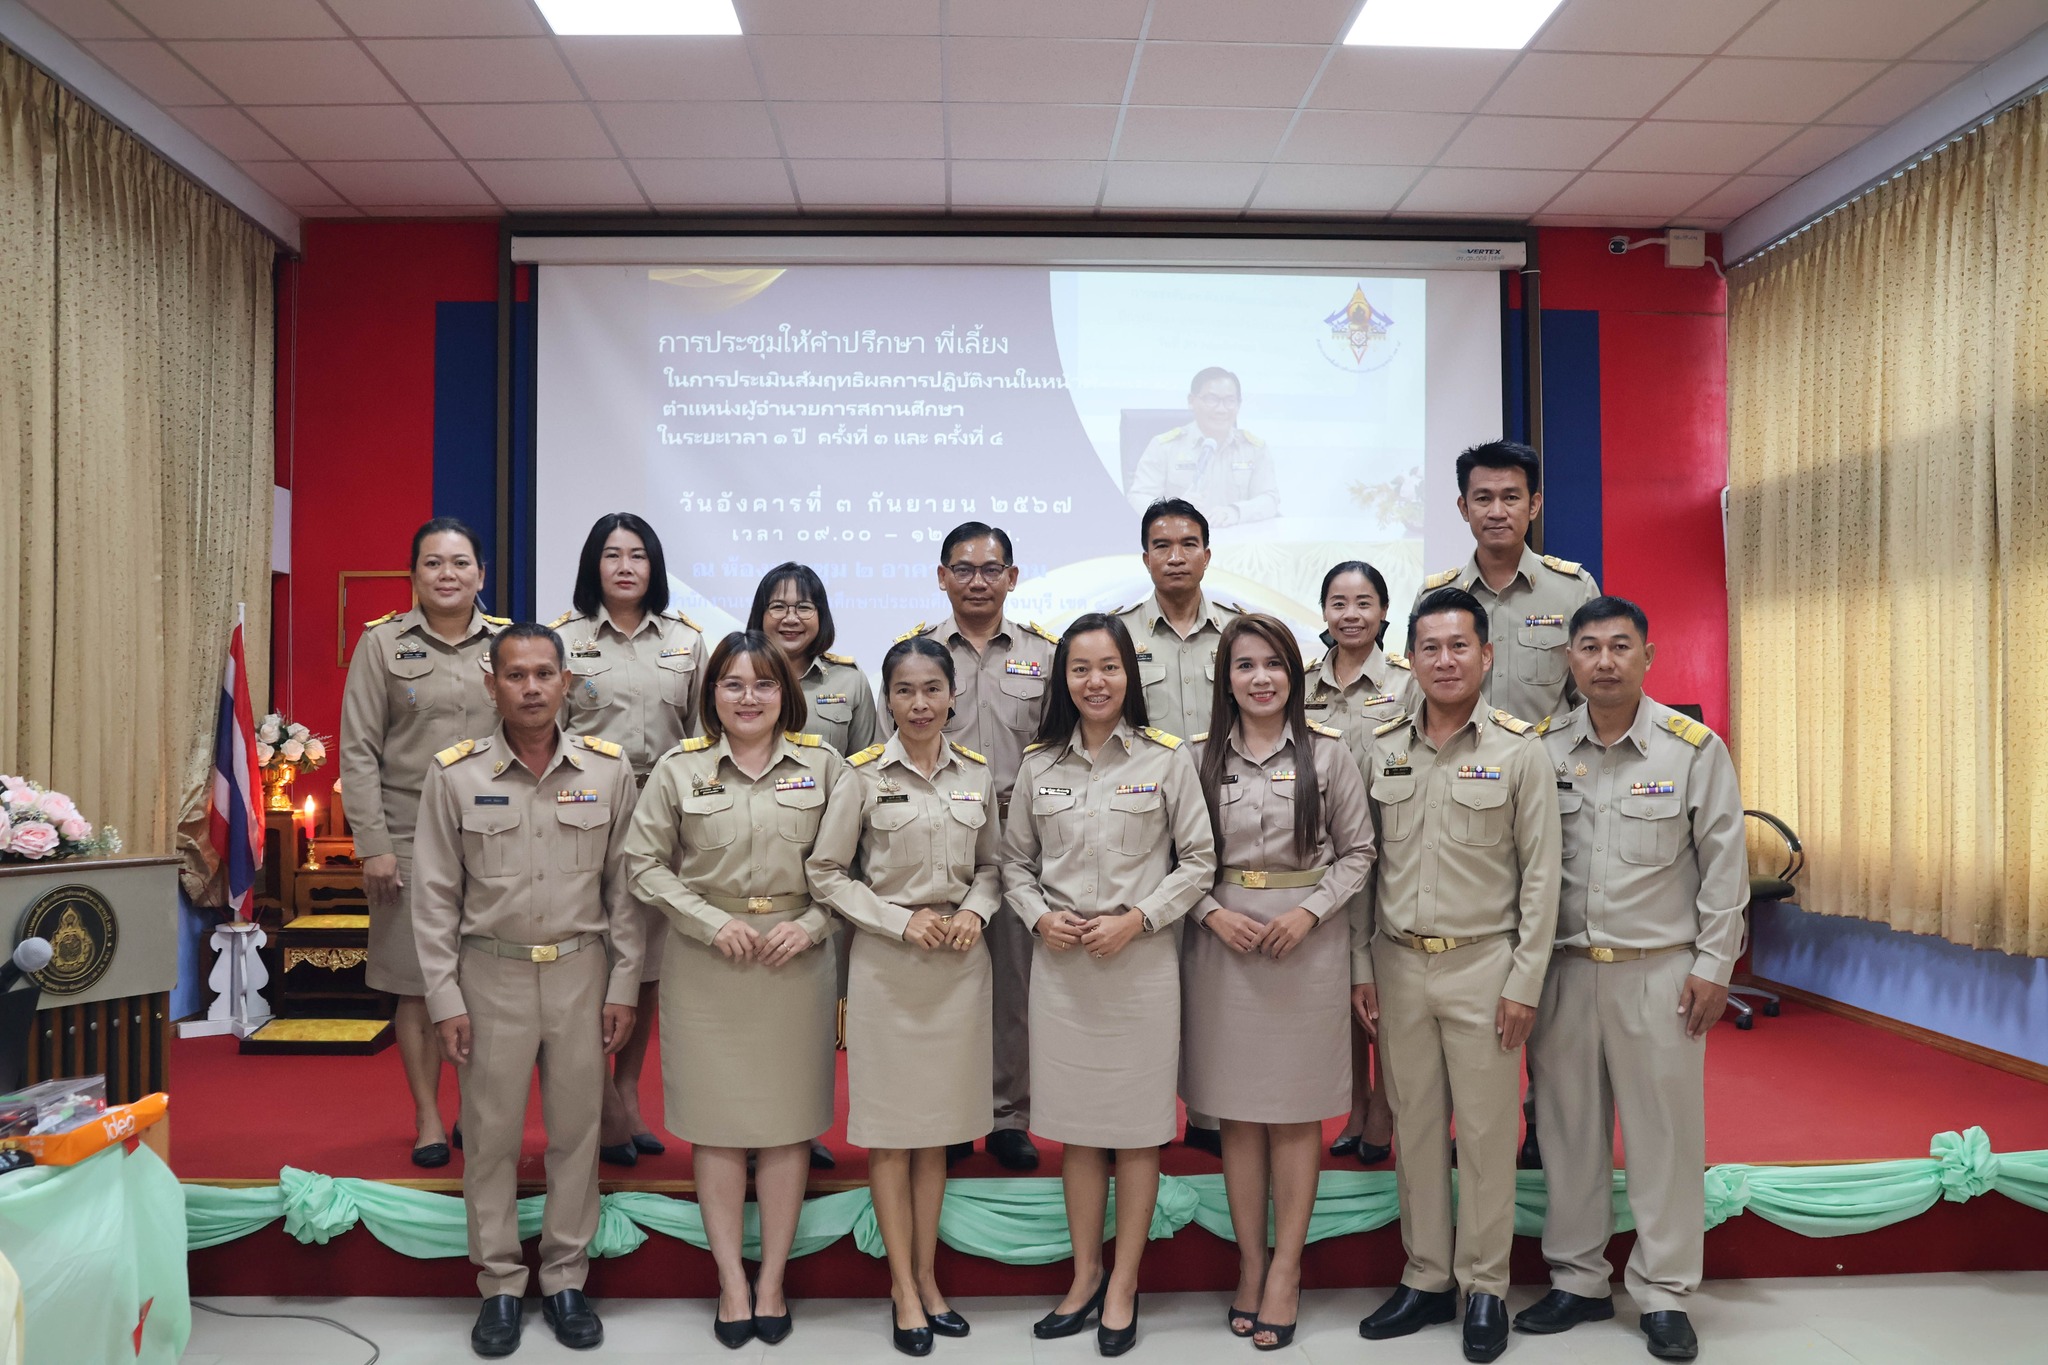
1617	246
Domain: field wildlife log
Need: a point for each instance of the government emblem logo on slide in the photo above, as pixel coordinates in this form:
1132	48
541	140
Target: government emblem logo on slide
1358	337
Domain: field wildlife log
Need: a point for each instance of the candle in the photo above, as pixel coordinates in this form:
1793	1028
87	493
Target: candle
311	859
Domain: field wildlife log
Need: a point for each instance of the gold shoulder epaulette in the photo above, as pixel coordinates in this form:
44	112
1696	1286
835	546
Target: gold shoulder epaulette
678	614
455	753
1400	661
1438	580
1507	721
1238	608
1171	435
804	741
1688	729
911	634
1543	726
832	658
1312	667
867	755
696	744
602	746
1119	611
1250	439
1199	739
967	753
1391	726
387	616
1563	566
1159	736
564	619
1041	632
1034	746
499	621
1323	729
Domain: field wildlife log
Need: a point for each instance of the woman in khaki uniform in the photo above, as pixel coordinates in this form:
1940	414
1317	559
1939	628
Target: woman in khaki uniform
1266	991
790	608
415	686
1356	688
921	819
1108	844
632	674
718	845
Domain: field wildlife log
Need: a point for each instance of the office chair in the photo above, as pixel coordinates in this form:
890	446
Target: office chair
1766	889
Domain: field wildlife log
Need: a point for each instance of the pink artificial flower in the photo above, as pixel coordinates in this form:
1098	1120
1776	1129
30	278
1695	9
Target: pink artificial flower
34	839
74	830
6	830
57	808
16	788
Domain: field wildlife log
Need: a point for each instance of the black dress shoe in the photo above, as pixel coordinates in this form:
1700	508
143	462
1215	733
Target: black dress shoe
1013	1149
947	1324
619	1154
773	1330
1408	1311
497	1327
1558	1311
1373	1153
1671	1335
1486	1327
455	1137
1208	1140
1345	1145
430	1156
912	1341
574	1320
1530	1158
732	1335
1114	1341
957	1152
1057	1324
647	1144
821	1156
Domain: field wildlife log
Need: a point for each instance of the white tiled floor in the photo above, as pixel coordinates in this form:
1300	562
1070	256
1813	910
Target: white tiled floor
1868	1320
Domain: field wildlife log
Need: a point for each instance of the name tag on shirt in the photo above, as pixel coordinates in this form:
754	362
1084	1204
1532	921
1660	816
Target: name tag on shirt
1396	770
1478	774
887	798
585	654
967	796
1144	656
699	787
1137	788
1543	620
1055	791
795	784
1651	789
1020	668
405	654
1229	779
1564	784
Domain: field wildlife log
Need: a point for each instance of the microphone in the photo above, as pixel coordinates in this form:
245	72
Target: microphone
30	955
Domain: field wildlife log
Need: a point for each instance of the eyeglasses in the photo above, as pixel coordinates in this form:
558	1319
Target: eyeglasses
964	574
803	611
766	689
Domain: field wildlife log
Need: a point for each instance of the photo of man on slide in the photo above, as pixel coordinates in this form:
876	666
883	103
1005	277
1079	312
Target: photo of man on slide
1211	461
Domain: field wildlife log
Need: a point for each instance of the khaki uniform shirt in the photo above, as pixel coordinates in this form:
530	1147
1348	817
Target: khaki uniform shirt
1126	828
1654	853
919	840
1231	480
507	855
841	704
1528	623
1469	842
1001	696
706	828
1383	690
1179	674
409	695
1255	820
638	691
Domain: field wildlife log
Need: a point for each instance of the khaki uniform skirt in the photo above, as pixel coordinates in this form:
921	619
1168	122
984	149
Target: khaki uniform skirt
747	1051
1105	1043
394	961
919	1050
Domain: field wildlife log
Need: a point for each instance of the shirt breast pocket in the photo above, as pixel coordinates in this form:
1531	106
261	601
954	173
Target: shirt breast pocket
1540	659
1054	816
1479	812
585	827
1394	797
1023	702
962	830
493	844
678	681
708	820
1651	831
1151	674
1137	822
591	688
797	813
412	686
892	836
1570	808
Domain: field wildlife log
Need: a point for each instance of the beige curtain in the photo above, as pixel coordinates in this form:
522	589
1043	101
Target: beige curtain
1888	543
136	335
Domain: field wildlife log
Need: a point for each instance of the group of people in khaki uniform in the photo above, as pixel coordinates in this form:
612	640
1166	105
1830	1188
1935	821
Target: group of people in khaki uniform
1176	811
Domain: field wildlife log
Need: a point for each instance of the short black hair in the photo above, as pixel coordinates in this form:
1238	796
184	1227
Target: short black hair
1501	455
589	595
1210	375
1372	576
922	647
527	630
445	526
1609	609
1056	724
810	588
975	530
1444	600
1170	507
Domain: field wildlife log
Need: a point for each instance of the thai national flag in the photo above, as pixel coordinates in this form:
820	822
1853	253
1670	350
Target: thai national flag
235	820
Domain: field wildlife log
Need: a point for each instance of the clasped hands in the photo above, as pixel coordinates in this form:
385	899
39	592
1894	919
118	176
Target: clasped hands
930	928
742	942
1104	936
1276	939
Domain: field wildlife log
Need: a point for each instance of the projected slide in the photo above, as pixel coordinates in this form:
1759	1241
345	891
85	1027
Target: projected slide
848	416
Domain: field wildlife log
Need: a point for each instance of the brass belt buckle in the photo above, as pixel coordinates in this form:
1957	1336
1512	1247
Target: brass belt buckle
1601	954
1436	945
547	952
760	905
1254	880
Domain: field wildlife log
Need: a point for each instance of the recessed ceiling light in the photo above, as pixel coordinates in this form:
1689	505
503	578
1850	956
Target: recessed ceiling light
1448	23
639	18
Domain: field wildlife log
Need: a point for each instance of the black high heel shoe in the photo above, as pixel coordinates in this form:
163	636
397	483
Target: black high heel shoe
947	1324
733	1335
1282	1334
1345	1145
1372	1153
773	1330
912	1341
1114	1341
1057	1324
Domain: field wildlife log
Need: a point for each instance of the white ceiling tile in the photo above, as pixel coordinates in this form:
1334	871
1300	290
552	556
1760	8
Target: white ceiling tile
230	132
1027	184
1845	28
1619	192
291	182
1490	192
800	67
516	131
1674	26
1409	78
1033	132
439	18
1810	150
1179	185
1057	71
1537	144
424	211
663	68
1722	148
156	71
1047	18
1599	220
862	184
1333	189
447	183
1242	73
1341	137
353	132
170	19
732	184
912	17
476	70
1898	91
696	128
1588	85
80	20
1985	32
550	184
1754	90
287	71
1200	134
863	130
1738	197
1235	21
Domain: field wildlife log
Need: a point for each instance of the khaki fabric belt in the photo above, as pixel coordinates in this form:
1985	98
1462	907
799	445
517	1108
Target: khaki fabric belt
529	952
758	905
1620	954
1256	879
1432	943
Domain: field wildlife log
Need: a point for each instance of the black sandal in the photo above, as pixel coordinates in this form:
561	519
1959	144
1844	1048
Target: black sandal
1283	1335
1247	1315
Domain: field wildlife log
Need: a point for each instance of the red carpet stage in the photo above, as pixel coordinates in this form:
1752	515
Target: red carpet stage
1805	1088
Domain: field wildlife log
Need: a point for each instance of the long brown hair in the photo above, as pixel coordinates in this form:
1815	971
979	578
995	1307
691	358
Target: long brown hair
769	662
1223	717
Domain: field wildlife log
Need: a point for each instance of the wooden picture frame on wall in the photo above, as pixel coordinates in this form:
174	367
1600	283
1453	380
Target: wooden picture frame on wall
342	617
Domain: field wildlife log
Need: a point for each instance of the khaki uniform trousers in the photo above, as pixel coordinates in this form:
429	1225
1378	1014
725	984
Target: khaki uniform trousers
1609	1038
1009	956
523	1014
1442	1058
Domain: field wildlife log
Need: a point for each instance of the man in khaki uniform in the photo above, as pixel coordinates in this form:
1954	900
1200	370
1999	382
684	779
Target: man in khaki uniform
1648	929
530	943
1211	461
1002	668
1450	943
